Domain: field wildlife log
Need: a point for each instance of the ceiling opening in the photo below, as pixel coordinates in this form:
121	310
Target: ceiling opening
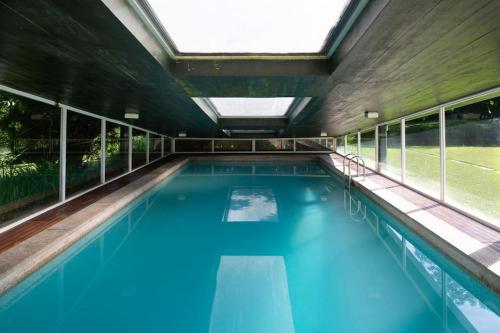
257	26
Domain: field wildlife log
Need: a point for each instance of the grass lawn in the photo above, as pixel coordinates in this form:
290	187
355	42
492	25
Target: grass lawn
472	175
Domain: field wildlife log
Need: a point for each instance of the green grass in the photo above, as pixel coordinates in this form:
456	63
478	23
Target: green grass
472	175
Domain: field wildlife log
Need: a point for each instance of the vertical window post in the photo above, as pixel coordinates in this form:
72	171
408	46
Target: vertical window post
294	144
103	151
147	147
376	150
442	153
129	149
172	147
403	150
62	154
359	143
213	145
162	146
253	145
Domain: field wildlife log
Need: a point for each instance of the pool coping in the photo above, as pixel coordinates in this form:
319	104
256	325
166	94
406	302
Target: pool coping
19	261
474	247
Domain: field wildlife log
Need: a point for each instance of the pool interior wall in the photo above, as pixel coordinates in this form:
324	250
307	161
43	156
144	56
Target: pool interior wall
225	247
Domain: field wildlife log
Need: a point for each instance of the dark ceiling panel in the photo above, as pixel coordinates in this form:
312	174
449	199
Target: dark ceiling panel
76	52
415	55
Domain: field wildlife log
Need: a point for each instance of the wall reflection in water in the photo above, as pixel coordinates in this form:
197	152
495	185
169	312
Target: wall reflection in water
457	308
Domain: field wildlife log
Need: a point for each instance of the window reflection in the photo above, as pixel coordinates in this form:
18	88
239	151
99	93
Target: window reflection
252	205
251	295
457	308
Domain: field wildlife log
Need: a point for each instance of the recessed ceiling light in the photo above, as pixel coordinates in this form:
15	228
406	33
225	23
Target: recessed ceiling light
131	113
182	134
371	114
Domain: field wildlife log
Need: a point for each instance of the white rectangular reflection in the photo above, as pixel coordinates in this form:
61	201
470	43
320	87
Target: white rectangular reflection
252	205
251	296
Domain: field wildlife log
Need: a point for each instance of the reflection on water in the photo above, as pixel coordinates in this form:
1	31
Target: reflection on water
335	262
251	295
252	205
458	309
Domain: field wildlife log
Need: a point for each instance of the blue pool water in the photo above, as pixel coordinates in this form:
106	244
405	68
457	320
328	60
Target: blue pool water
250	248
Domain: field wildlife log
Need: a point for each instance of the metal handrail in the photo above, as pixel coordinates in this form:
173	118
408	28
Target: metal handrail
347	158
358	158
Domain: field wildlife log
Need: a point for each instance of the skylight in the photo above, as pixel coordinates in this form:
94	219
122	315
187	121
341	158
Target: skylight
244	26
252	106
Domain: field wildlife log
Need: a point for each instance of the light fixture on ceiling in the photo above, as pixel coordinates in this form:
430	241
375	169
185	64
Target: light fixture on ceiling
324	133
182	134
371	114
131	113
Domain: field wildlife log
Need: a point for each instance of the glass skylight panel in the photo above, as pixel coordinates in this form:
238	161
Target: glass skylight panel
257	26
252	106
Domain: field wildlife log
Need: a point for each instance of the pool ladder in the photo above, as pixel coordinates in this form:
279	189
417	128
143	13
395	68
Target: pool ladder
350	158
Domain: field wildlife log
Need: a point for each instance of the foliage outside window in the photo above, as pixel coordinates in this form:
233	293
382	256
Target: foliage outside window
139	148
368	148
83	152
352	144
340	143
29	156
274	145
116	150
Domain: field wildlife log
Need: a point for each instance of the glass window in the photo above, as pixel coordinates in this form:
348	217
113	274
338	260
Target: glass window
154	147
116	150
139	148
193	146
368	148
318	144
389	149
233	145
252	107
274	145
167	145
352	143
29	156
258	26
83	153
473	158
422	153
340	142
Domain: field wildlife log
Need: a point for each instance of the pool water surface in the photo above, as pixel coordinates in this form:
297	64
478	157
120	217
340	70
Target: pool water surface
248	247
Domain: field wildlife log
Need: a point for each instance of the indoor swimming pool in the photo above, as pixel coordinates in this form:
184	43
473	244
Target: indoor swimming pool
250	247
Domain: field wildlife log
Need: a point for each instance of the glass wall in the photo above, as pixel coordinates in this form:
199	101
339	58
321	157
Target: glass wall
29	156
367	151
422	153
154	147
389	149
274	145
352	144
192	146
473	158
139	148
340	143
316	144
83	149
232	145
167	145
116	150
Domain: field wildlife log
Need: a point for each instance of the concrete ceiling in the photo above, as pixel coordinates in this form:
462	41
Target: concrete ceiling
399	57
